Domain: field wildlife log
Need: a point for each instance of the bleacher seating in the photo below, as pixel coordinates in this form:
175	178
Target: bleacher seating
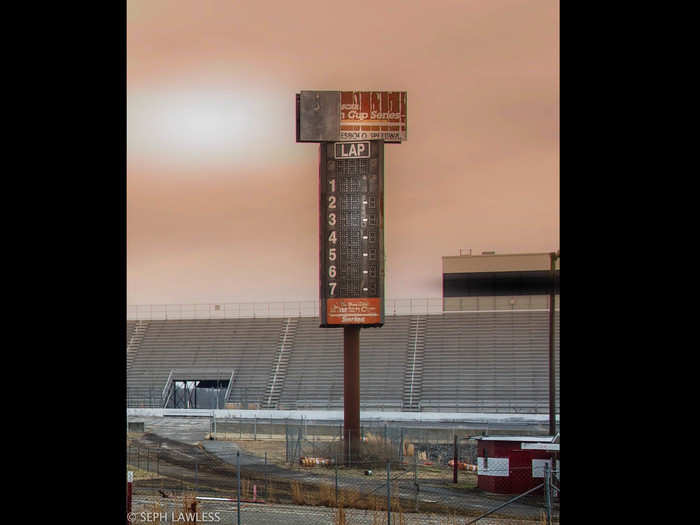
488	362
471	362
244	345
315	370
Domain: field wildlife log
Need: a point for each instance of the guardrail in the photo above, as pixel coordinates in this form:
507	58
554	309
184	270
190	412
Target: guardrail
411	306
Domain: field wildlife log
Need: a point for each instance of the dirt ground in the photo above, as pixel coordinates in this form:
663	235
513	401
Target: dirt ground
276	454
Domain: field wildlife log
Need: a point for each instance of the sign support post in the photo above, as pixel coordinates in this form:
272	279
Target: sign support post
552	377
351	391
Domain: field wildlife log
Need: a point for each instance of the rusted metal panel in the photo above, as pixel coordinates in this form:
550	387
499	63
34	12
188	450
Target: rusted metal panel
373	115
318	116
354	311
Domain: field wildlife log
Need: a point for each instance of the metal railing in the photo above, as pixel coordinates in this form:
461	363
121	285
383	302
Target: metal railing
167	389
280	309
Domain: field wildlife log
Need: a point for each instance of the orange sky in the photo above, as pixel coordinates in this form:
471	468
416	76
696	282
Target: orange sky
222	203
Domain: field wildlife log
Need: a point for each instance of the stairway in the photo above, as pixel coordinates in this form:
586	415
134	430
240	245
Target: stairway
132	346
413	377
279	370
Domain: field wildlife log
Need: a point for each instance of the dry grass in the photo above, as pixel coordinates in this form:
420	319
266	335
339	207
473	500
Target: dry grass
340	515
326	495
189	508
297	493
271	496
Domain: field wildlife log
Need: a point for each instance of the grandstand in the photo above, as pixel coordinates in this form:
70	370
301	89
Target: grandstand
490	361
484	349
202	349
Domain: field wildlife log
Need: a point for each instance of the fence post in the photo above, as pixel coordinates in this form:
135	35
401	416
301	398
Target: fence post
238	490
298	450
267	476
455	460
129	487
388	492
415	474
547	495
401	446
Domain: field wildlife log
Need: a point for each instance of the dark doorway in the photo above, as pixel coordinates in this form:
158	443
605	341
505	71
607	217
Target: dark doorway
196	393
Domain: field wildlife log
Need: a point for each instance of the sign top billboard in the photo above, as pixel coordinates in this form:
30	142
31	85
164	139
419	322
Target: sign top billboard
333	116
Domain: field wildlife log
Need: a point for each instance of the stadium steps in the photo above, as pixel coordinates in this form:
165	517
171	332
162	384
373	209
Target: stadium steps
314	377
413	377
132	346
281	362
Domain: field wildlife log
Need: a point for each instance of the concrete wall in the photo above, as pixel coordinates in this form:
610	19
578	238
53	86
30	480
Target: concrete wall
501	302
337	415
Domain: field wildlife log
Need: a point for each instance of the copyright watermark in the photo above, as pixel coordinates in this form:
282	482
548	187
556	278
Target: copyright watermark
173	517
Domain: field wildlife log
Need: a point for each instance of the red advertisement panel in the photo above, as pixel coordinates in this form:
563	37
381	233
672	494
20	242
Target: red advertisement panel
373	115
353	311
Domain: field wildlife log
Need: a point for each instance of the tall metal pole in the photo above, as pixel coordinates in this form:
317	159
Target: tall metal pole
238	488
388	493
455	461
351	390
552	418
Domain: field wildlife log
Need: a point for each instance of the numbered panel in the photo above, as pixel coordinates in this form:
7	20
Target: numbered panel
351	230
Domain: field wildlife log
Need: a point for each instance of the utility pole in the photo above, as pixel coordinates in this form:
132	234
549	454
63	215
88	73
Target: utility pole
552	294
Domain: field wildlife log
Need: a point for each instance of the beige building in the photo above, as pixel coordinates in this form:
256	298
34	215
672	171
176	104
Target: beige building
490	281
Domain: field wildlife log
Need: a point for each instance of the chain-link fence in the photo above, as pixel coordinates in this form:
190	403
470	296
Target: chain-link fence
252	472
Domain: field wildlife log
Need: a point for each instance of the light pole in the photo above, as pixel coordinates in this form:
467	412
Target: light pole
552	418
